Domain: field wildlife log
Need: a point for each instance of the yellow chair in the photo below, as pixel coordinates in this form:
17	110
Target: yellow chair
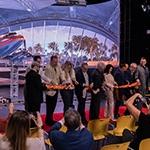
145	144
98	128
122	146
123	122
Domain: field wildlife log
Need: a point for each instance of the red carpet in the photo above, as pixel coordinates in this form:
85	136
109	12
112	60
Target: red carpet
58	116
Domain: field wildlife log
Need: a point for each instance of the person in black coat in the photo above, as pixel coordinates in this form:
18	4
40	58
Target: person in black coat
83	79
34	89
121	77
98	92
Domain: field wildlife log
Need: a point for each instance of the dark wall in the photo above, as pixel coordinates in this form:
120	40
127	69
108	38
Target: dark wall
134	42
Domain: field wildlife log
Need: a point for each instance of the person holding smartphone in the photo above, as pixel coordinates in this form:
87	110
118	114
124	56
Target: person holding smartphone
142	131
77	136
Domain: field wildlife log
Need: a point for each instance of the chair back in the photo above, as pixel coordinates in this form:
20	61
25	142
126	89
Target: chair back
124	122
98	128
122	146
145	144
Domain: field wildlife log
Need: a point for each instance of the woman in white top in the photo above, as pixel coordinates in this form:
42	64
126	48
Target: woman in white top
69	79
109	88
17	136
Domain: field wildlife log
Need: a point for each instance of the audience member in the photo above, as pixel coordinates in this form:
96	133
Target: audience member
17	136
142	131
77	136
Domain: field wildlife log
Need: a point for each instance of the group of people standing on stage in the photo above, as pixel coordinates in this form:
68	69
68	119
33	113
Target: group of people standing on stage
100	83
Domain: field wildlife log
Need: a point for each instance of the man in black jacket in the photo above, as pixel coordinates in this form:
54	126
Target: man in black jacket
98	93
34	87
83	78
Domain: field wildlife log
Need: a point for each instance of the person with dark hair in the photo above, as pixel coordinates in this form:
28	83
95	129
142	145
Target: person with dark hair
34	89
120	78
109	89
37	58
143	75
83	78
98	93
54	73
70	80
77	136
132	77
17	136
142	131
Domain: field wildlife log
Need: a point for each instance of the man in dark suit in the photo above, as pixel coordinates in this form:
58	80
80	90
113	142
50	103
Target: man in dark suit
34	87
121	78
77	136
98	93
83	78
143	75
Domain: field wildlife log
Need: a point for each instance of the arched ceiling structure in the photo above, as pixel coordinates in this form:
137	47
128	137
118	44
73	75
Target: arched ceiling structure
101	17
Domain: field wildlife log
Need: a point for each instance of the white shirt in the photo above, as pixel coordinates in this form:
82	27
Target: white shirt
86	77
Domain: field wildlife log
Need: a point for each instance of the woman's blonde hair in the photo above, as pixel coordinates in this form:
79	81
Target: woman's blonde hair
66	67
18	129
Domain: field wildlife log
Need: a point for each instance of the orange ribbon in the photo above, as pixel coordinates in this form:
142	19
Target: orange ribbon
135	84
59	87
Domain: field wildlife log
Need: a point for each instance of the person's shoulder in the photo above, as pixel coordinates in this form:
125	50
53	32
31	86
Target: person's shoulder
35	143
78	71
139	67
56	133
4	144
95	71
87	135
48	66
86	132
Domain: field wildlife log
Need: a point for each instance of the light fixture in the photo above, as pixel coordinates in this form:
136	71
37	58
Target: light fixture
28	9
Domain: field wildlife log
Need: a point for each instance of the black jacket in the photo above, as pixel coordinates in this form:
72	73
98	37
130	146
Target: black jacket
71	140
80	78
98	80
33	88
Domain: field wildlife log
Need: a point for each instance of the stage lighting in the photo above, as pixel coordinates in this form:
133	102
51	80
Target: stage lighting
70	2
146	6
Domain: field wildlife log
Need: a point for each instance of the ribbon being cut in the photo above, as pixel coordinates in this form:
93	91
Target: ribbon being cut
135	84
59	87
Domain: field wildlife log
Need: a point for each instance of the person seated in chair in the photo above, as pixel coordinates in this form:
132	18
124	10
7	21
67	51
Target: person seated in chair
77	136
18	133
142	131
